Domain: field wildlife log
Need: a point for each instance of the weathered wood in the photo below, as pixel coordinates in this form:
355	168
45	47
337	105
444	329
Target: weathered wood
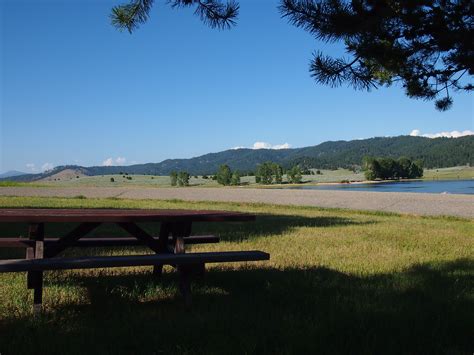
35	278
140	234
70	239
163	246
96	242
18	265
46	215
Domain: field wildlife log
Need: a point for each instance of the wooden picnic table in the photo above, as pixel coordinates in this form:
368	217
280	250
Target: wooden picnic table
168	246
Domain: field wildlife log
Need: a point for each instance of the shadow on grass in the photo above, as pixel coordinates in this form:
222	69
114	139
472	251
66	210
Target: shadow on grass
265	225
426	309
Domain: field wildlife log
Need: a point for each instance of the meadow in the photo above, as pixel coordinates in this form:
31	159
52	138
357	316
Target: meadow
326	176
338	281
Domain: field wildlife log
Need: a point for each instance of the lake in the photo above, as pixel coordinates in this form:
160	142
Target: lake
422	186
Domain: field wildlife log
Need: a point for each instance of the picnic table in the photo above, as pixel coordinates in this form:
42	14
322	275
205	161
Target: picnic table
43	253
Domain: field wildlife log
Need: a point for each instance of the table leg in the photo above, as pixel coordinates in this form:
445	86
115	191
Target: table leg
179	232
165	230
35	278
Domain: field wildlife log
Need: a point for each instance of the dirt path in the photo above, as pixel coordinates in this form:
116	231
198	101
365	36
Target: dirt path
413	203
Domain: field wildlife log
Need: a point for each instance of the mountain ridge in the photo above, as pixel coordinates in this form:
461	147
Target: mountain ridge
435	152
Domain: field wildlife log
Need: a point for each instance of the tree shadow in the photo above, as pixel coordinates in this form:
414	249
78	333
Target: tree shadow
425	309
265	225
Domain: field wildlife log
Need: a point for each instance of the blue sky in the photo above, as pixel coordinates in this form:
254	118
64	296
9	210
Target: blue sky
74	90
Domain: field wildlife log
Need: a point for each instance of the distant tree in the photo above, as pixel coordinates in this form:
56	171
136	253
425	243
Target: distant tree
388	168
318	172
264	173
294	175
277	173
416	169
112	179
235	180
205	177
174	178
224	175
183	178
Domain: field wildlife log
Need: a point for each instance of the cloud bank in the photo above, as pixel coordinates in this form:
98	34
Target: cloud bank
32	168
452	134
266	145
112	161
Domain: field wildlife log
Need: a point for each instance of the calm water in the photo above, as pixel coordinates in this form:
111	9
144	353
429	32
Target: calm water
436	187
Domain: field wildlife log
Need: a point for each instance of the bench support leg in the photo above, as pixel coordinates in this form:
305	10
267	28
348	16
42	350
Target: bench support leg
179	232
35	278
162	247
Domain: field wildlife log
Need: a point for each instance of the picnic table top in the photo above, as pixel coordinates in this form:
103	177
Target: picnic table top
43	215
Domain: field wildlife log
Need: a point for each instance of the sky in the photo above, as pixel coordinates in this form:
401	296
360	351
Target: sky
74	90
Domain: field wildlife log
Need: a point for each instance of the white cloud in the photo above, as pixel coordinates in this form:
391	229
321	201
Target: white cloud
120	160
31	167
47	166
112	161
265	145
108	162
452	134
282	146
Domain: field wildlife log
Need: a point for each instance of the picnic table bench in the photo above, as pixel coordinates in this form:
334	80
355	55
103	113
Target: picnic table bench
42	254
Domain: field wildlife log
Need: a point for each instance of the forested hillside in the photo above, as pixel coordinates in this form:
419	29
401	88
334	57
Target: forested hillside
435	153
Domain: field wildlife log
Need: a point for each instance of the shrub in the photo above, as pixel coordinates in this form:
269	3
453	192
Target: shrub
173	178
183	178
294	175
224	175
112	179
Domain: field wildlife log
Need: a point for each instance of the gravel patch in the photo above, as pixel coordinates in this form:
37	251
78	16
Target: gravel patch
401	202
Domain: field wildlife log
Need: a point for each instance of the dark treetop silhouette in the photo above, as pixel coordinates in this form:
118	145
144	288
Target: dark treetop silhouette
425	45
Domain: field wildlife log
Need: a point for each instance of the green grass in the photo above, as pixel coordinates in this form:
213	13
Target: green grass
327	176
458	172
7	183
338	282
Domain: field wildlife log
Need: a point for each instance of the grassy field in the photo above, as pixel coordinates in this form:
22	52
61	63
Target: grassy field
337	282
164	181
326	176
458	172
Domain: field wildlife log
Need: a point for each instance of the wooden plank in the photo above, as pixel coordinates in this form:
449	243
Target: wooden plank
35	278
70	239
102	241
45	215
18	265
141	235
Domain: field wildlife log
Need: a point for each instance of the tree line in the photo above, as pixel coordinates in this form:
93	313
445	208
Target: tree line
391	169
266	173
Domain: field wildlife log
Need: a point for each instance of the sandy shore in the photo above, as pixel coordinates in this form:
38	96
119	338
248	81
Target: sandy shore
412	203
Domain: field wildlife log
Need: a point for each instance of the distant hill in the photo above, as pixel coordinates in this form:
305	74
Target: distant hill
435	153
11	173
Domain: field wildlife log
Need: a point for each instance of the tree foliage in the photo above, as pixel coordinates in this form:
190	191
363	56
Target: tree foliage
389	169
224	175
294	175
268	173
183	178
235	180
214	13
426	45
174	178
